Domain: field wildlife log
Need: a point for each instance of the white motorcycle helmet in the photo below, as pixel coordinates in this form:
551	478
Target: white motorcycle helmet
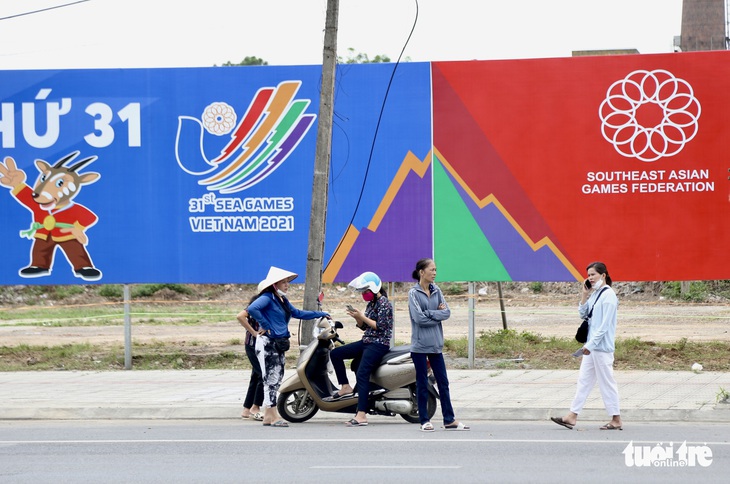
366	280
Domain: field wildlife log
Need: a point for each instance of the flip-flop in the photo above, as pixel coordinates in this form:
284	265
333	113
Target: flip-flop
560	421
456	426
427	427
278	423
258	416
610	426
354	423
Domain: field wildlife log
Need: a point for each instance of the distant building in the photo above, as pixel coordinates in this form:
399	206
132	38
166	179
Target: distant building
578	53
703	26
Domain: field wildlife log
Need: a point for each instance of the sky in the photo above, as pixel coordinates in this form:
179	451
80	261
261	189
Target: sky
195	33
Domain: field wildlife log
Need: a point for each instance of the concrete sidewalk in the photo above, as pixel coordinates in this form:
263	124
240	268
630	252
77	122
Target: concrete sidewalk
476	395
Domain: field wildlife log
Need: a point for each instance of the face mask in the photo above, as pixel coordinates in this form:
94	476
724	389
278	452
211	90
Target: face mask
368	296
280	292
597	284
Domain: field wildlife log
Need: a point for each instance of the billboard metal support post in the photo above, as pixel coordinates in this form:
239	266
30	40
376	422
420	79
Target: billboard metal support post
127	330
471	340
501	305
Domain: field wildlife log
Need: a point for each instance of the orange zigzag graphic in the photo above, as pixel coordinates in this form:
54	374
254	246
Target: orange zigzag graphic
410	163
535	246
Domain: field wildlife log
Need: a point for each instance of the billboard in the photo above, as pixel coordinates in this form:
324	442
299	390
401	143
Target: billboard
555	163
523	170
187	175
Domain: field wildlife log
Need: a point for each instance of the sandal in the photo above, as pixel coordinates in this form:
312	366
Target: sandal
354	423
456	426
336	396
257	416
278	423
610	426
427	427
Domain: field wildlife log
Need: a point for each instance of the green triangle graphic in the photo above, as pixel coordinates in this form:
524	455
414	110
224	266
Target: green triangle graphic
461	250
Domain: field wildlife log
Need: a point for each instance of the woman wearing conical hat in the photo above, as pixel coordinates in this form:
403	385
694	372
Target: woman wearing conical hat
272	310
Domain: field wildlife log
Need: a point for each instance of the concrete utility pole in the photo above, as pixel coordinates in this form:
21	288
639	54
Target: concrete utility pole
320	185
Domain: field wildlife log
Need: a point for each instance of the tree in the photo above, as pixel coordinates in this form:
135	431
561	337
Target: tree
361	58
247	61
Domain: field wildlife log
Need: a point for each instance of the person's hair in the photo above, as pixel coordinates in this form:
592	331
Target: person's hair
420	265
600	267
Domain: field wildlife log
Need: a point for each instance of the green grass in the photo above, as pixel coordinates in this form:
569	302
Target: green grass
539	352
501	348
153	356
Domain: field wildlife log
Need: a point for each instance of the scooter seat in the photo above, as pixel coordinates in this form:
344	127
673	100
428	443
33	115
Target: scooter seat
395	352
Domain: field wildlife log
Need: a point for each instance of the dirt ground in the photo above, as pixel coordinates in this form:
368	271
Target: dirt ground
552	312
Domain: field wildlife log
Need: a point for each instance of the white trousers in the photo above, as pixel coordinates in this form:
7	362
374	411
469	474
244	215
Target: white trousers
597	366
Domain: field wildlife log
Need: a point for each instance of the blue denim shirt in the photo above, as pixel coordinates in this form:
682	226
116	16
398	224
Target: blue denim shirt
272	317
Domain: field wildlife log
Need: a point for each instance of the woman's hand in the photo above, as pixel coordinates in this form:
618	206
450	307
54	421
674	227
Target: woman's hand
442	306
355	313
586	291
586	351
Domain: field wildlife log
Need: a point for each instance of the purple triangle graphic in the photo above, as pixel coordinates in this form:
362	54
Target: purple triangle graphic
403	237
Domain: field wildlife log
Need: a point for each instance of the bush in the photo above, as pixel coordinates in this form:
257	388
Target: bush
698	291
111	291
147	290
536	286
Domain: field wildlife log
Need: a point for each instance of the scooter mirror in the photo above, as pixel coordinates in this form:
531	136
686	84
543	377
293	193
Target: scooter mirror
338	325
321	296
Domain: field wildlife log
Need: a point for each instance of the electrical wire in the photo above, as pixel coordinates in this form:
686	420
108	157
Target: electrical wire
375	135
43	10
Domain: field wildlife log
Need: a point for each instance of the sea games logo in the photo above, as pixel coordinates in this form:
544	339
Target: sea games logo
258	143
649	115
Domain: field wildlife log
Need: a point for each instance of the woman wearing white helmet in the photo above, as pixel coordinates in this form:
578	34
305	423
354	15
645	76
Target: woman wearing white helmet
377	322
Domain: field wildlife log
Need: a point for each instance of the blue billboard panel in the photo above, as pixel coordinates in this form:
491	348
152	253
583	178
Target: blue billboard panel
189	175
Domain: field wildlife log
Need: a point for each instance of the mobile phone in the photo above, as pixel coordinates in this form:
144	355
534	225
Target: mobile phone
350	308
588	284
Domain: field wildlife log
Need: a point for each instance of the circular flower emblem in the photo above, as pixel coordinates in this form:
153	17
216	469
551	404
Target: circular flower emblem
219	118
649	115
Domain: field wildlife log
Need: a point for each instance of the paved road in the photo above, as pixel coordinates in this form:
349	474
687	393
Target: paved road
222	451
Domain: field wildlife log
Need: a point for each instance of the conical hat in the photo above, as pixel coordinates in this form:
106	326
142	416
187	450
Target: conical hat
275	275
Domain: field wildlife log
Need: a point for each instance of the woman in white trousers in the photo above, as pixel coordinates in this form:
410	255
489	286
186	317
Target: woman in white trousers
599	300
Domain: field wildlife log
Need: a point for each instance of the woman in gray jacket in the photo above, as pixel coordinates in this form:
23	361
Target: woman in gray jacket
427	308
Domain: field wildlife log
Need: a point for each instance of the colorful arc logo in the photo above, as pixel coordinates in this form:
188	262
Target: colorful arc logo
273	125
649	115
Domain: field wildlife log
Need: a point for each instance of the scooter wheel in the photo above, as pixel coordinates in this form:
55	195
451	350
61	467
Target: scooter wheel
297	406
431	406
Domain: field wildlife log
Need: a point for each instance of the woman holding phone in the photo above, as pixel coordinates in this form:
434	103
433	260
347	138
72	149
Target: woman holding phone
599	299
377	322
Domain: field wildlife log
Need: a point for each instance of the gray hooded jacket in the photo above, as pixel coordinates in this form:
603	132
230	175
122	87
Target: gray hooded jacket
427	334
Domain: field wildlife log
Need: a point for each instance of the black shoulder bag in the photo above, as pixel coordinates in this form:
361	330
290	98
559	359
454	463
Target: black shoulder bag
282	344
581	336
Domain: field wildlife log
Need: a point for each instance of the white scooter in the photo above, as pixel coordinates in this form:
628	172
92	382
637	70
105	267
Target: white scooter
392	384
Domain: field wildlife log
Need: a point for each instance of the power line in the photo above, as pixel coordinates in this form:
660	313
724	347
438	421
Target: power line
43	10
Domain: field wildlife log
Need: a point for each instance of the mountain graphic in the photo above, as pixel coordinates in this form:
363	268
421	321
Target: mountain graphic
471	237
